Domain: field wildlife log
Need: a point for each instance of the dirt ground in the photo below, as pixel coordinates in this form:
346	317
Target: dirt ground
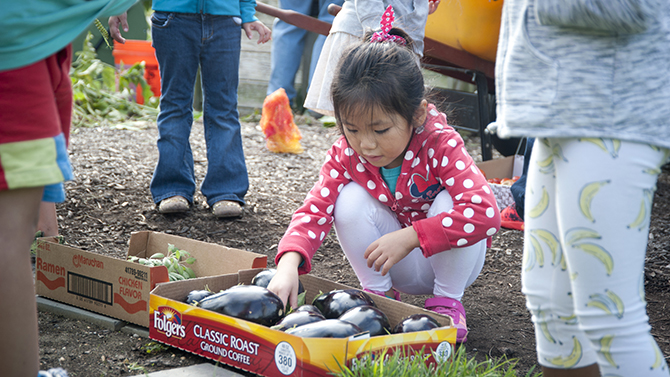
109	199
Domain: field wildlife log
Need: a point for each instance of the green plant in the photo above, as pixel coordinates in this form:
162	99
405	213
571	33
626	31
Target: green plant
104	95
135	367
177	269
402	364
154	347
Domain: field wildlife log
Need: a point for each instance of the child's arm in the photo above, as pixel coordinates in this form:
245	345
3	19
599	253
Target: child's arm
285	282
391	248
264	34
250	22
314	219
475	215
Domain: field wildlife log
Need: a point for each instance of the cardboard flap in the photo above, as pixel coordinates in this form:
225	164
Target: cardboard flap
211	259
498	168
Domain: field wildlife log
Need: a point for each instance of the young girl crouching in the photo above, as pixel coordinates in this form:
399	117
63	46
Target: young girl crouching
411	209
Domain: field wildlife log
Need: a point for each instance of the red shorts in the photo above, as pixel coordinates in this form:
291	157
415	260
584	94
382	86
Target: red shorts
35	115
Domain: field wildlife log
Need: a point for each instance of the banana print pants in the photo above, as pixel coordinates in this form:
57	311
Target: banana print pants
588	207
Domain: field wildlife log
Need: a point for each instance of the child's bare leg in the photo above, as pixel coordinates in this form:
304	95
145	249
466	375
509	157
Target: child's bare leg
19	354
48	221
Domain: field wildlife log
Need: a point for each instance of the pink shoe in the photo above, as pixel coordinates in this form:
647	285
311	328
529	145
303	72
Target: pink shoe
454	309
396	294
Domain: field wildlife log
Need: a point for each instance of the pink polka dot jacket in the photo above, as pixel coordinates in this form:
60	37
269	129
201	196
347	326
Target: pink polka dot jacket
436	160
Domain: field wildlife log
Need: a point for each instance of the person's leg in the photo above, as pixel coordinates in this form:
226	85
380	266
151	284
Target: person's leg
600	206
519	187
545	277
226	177
48	220
288	43
360	220
35	103
177	40
321	39
18	219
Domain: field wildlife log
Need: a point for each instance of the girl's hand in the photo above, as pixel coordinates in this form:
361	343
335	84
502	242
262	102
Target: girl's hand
391	248
432	6
264	34
285	282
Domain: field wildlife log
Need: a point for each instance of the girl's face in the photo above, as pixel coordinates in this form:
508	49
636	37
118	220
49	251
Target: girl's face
379	137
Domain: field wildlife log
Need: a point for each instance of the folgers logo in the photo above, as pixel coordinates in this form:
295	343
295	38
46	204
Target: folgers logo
79	260
168	321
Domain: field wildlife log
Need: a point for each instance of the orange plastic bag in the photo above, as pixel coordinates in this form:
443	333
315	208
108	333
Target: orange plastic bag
281	133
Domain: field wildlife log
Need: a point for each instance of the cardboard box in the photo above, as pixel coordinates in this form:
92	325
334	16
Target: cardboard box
262	350
507	167
119	288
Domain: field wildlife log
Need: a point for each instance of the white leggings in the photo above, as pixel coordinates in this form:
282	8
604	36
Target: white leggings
360	219
587	213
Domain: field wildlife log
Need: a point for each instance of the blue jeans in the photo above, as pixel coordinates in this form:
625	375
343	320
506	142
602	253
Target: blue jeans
288	44
518	189
184	41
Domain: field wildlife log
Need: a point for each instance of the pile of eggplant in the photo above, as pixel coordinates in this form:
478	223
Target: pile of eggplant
336	314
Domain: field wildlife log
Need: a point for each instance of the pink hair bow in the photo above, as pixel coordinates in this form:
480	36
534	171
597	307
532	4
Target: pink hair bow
386	24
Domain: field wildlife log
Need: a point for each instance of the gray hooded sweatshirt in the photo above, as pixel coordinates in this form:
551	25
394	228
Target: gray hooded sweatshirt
584	68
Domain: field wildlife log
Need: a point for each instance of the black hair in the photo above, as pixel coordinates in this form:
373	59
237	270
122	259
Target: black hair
382	75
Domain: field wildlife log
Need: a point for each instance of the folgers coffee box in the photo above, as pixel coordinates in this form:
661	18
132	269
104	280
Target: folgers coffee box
119	288
264	351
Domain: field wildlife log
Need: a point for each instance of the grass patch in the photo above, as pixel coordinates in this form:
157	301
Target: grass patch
401	364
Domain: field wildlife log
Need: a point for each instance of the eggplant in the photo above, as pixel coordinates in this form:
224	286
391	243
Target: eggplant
197	295
368	318
308	308
334	303
298	318
263	278
328	328
416	322
248	302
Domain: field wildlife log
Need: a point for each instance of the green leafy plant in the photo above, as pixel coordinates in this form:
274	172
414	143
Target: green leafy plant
105	95
177	268
135	367
154	347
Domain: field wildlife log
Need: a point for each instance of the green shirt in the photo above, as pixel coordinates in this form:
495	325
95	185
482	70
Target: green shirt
390	177
31	30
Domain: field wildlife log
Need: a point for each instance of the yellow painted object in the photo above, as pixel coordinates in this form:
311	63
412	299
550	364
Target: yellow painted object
469	25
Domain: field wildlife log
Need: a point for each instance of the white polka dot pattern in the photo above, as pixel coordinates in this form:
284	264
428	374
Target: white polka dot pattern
443	165
445	161
460	165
